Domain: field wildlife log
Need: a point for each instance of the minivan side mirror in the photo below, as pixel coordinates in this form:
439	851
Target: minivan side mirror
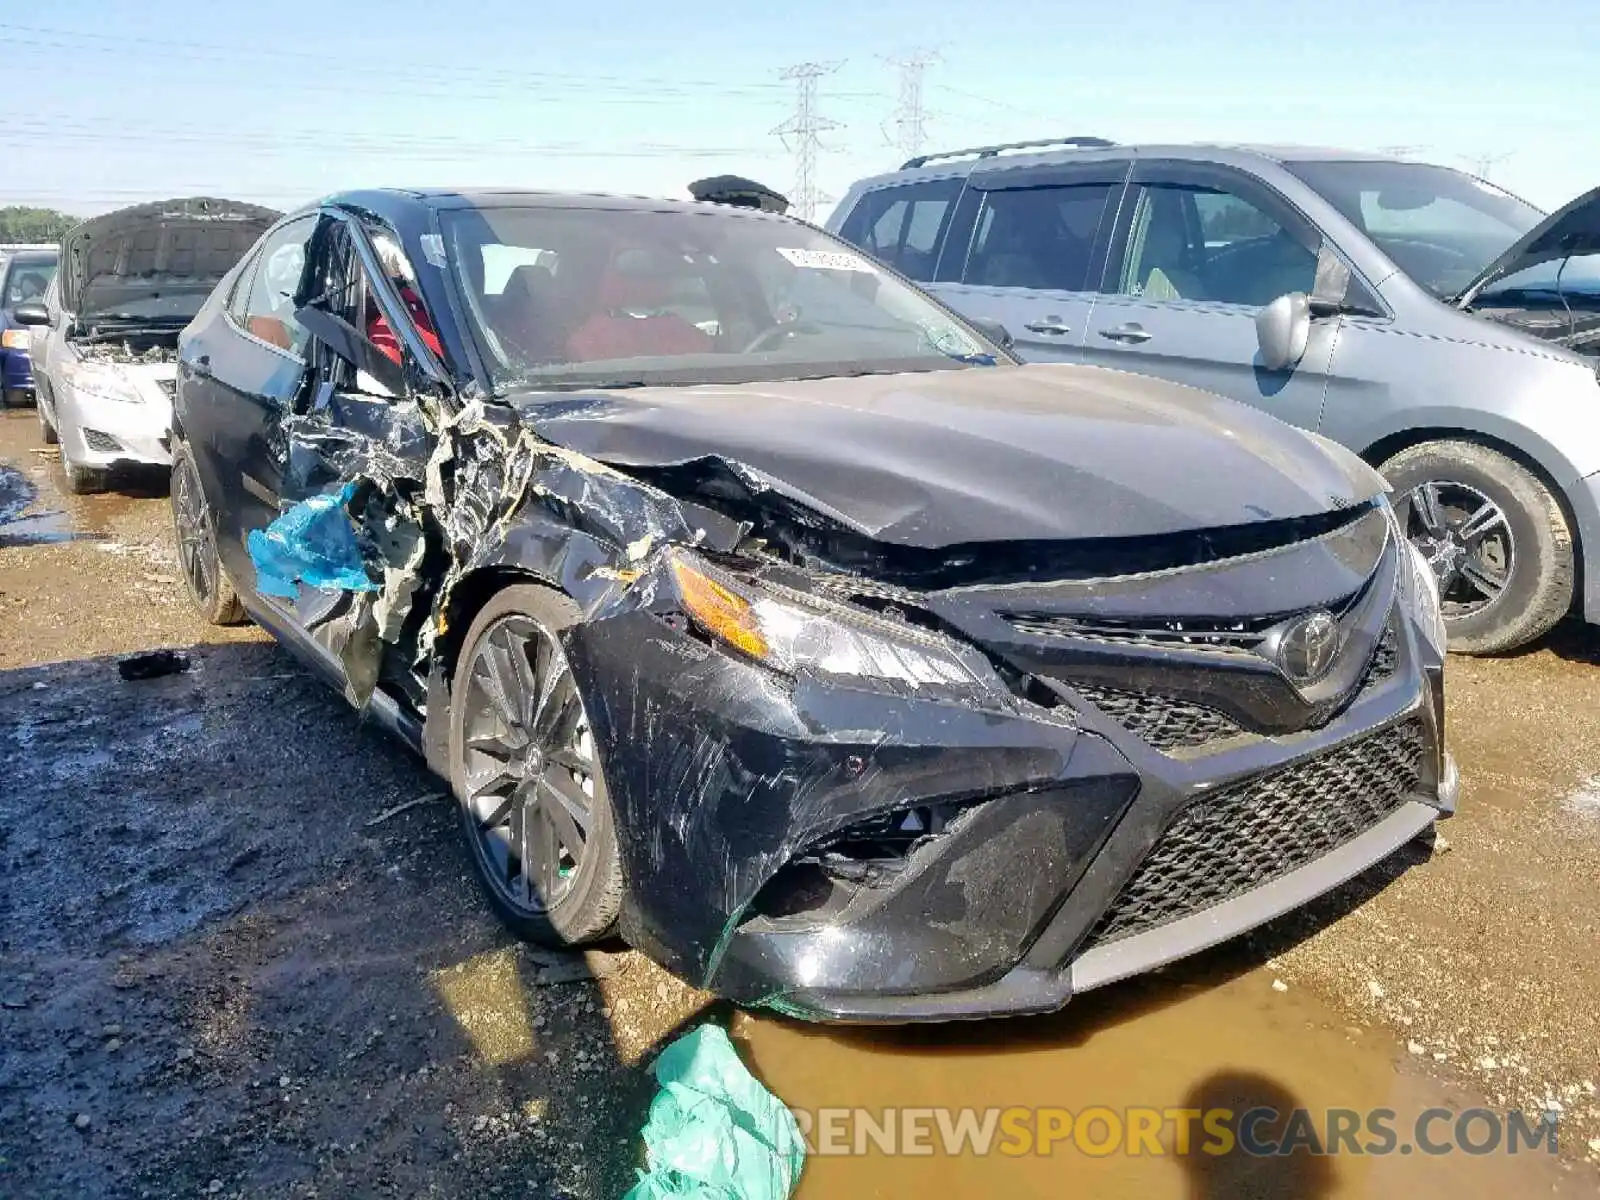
31	312
1282	330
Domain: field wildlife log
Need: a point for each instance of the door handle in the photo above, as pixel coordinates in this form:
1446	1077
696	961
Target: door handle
1051	325
1132	333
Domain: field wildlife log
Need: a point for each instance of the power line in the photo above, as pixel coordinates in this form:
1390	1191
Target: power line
799	134
910	119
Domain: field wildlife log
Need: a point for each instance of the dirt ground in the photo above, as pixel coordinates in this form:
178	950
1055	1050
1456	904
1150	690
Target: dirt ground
229	967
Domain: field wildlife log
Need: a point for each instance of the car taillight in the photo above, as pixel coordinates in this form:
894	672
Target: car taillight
15	339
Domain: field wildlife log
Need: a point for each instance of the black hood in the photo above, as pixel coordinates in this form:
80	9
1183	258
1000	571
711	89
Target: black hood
169	254
1573	230
941	458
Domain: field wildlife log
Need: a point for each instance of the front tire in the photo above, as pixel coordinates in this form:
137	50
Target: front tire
527	775
1496	536
47	431
85	481
195	534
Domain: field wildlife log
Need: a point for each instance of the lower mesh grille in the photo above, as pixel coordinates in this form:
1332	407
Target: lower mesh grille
1162	721
103	443
1243	836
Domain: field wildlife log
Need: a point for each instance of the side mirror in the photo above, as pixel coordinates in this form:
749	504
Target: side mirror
31	312
994	331
1282	330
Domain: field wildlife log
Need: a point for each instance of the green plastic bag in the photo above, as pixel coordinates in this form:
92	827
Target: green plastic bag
714	1133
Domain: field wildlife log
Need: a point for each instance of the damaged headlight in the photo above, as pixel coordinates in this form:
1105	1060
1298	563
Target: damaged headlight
101	381
1419	587
791	632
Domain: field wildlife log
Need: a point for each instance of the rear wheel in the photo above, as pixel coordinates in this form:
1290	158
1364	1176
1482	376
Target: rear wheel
1496	537
194	530
523	763
17	398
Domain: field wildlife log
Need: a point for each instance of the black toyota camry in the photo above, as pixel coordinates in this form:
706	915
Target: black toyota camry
762	610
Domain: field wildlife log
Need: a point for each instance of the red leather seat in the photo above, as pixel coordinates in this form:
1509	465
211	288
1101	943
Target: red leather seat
613	333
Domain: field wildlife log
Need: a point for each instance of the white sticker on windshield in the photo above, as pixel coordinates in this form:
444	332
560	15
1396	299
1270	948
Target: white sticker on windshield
827	260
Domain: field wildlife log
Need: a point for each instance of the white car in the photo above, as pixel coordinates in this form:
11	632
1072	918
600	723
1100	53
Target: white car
106	334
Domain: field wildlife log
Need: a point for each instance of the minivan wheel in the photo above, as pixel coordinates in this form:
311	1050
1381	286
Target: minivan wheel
195	532
527	776
47	431
1495	536
16	398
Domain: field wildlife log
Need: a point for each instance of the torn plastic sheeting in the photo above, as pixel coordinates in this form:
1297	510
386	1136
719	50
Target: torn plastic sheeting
312	543
714	1132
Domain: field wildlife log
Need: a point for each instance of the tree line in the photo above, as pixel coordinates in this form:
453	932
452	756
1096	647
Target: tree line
19	223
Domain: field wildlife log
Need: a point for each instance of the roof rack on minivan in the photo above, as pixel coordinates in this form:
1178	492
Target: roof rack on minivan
1096	143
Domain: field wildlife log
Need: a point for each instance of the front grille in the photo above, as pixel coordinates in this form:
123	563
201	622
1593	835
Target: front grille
1163	721
1241	837
102	443
1194	634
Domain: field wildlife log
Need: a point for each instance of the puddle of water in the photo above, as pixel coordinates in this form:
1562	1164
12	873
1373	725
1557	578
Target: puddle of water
24	520
1155	1044
1585	801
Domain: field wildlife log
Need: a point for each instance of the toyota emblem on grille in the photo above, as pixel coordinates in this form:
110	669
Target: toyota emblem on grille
1308	647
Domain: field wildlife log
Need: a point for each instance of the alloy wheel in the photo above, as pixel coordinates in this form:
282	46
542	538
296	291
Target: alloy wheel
529	765
1466	539
197	548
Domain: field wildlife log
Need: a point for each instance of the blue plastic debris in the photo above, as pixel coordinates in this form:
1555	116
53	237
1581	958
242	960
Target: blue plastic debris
312	543
714	1133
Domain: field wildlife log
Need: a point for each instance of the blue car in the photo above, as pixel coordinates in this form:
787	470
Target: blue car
23	277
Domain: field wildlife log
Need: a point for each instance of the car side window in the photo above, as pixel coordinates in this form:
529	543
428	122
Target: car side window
902	225
268	310
1199	243
1038	237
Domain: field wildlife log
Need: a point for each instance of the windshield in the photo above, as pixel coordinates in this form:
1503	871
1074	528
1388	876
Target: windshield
27	279
575	297
1441	227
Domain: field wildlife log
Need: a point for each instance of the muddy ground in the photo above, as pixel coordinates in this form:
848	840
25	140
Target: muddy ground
227	967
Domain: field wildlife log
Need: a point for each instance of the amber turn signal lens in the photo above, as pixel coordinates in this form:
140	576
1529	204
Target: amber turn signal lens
718	610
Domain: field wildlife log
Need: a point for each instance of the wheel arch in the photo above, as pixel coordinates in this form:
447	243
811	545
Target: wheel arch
1578	527
467	599
461	607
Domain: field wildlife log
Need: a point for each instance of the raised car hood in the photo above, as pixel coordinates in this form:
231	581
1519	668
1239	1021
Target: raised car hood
935	459
158	249
1572	230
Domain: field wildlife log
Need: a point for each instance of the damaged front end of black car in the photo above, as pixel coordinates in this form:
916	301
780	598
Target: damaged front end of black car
940	691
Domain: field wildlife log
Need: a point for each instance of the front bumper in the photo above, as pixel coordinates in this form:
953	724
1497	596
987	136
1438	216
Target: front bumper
16	371
722	777
96	432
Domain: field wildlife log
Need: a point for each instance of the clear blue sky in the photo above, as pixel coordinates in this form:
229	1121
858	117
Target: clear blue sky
110	103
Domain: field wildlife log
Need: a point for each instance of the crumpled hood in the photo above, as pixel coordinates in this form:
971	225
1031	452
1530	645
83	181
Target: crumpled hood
941	458
150	250
1573	230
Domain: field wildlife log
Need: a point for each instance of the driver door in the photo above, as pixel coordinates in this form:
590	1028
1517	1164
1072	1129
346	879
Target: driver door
1198	251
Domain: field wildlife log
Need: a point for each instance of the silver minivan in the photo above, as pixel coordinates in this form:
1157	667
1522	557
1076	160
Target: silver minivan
1436	324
